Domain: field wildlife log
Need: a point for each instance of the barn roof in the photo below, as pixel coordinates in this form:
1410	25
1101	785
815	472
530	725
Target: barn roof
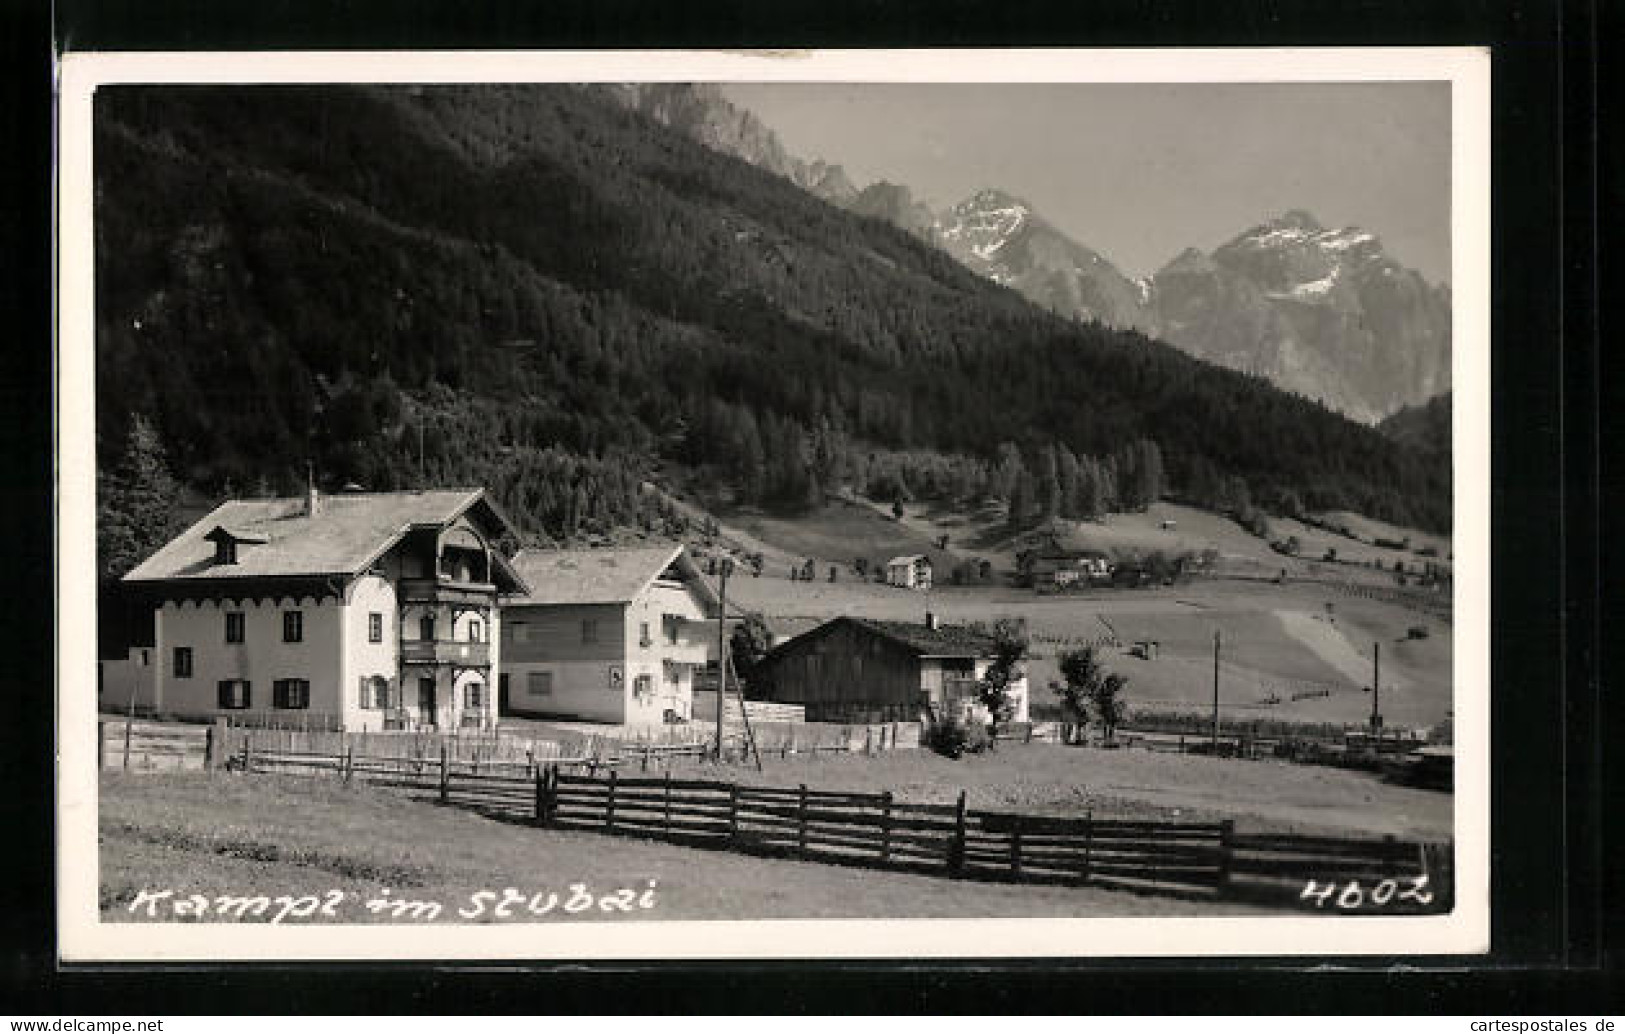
349	532
582	576
942	641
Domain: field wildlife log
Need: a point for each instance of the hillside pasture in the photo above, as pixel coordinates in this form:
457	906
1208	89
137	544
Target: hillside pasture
839	532
1277	640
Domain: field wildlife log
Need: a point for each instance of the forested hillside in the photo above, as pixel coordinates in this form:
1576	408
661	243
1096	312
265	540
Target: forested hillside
538	290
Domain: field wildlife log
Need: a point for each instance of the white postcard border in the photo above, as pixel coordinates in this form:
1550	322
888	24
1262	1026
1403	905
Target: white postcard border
84	938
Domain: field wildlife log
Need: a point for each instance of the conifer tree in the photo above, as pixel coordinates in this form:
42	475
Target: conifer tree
135	503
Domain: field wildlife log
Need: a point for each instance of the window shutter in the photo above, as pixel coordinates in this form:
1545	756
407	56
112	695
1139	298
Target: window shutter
365	698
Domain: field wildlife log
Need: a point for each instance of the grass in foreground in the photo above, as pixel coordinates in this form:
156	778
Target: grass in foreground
218	834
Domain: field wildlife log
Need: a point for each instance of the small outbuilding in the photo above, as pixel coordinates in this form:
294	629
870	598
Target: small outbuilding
909	572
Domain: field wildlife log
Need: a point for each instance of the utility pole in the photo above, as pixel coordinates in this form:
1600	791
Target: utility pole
722	646
1215	692
1376	712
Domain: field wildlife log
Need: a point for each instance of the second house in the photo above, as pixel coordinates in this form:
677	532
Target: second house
607	635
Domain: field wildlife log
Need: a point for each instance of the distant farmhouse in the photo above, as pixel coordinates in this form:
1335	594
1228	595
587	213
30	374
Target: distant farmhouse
1061	569
858	670
357	611
608	635
909	572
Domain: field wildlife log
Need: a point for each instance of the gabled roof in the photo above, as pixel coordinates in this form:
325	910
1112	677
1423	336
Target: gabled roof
914	559
349	532
942	641
595	576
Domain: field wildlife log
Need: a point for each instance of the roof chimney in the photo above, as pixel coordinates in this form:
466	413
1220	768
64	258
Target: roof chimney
313	501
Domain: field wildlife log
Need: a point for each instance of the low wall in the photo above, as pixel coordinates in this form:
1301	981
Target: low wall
705	709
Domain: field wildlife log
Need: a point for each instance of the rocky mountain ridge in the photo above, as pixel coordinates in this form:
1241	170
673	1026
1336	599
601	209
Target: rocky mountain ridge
1323	312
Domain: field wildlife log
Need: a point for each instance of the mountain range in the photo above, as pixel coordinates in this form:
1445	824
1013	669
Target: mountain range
559	292
1322	312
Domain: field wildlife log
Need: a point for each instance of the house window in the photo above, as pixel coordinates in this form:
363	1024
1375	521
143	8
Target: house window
426	628
293	626
474	696
235	694
290	694
375	627
539	684
519	631
183	662
375	693
475	631
643	635
672	625
234	626
643	686
589	630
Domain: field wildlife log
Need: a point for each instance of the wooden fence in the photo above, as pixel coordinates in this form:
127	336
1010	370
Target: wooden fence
154	746
879	831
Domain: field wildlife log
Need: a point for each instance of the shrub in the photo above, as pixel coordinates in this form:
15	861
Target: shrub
1416	632
953	737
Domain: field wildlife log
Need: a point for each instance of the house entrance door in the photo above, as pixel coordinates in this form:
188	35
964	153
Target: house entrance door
426	701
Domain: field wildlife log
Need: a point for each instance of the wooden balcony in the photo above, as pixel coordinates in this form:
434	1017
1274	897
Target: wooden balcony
441	651
444	590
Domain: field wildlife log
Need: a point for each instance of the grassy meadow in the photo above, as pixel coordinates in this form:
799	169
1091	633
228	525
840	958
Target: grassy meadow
217	834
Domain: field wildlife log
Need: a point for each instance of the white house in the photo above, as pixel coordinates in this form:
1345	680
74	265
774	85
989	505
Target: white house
909	572
361	611
608	635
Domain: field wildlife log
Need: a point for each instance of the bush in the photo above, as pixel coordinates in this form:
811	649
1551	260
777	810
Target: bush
1416	632
954	737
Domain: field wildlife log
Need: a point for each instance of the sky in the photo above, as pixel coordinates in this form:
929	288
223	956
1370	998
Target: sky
1140	172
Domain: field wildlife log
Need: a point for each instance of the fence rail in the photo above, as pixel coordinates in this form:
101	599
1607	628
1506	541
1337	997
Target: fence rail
876	830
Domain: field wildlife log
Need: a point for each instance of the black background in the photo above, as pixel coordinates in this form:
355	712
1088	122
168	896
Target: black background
1556	943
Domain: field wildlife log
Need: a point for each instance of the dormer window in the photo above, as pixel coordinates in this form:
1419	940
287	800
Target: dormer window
228	542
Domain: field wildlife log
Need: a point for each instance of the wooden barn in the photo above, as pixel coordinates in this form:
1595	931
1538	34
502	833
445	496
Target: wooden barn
862	670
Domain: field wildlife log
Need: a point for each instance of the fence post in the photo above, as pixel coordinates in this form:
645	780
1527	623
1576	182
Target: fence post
733	813
1227	834
1029	732
956	847
553	793
885	826
869	741
666	805
1088	842
609	801
538	808
247	756
801	822
445	776
1015	848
